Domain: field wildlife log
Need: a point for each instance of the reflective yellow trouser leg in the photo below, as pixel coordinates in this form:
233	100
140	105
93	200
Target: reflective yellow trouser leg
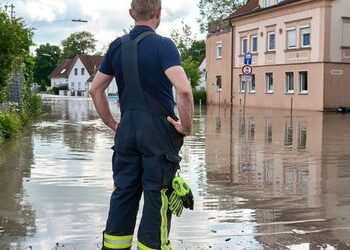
164	234
117	242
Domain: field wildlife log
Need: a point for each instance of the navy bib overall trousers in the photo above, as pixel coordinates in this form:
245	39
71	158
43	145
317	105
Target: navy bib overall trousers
145	160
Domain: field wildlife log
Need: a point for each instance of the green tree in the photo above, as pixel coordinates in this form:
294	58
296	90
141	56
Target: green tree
216	11
46	60
15	40
192	52
78	43
183	39
197	51
192	71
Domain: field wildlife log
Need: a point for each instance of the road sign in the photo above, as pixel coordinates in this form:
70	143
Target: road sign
248	58
246	78
247	70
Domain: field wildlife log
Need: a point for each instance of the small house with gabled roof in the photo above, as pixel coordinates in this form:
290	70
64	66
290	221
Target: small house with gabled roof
78	73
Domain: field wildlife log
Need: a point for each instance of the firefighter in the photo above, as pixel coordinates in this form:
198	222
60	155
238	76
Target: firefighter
149	135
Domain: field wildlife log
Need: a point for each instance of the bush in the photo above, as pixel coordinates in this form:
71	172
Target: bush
199	95
31	106
10	124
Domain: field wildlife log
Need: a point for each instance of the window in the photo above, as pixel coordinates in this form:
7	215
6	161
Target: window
244	45
82	71
252	85
303	78
242	84
291	38
305	35
254	44
271	41
247	85
346	32
218	50
289	82
218	83
75	71
72	85
79	85
267	3
269	82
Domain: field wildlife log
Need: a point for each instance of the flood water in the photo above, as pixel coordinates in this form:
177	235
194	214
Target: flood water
262	179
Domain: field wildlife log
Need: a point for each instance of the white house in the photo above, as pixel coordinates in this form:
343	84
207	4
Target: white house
76	74
203	80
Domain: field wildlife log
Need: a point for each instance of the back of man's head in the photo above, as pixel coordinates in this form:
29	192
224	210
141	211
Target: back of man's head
144	10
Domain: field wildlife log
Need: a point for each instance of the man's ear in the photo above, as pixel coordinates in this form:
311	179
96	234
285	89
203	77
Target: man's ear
159	12
130	13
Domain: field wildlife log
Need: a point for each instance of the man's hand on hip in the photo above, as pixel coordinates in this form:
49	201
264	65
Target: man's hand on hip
178	126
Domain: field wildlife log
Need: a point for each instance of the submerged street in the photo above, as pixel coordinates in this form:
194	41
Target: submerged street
262	179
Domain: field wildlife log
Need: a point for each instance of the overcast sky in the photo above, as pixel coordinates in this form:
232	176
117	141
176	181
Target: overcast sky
106	18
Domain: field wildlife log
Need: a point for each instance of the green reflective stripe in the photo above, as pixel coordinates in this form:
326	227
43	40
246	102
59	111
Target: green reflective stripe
112	237
164	221
117	242
141	246
116	246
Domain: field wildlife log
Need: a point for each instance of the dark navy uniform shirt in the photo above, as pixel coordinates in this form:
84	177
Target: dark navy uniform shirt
156	54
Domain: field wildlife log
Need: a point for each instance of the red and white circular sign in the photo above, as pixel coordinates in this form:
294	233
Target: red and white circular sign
247	70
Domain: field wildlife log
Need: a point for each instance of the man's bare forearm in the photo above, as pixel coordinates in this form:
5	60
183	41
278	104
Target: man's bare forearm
185	108
102	107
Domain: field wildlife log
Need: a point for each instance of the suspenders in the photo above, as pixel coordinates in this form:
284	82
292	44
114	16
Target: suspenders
134	97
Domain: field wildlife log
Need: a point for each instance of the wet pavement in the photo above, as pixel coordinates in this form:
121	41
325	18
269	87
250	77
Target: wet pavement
262	179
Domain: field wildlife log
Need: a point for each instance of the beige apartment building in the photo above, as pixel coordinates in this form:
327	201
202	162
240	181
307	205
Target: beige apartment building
301	55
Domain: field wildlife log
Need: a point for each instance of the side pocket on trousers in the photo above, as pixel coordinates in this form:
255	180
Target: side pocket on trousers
172	166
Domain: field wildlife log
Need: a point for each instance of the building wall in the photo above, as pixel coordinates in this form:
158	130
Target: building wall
219	67
79	81
337	86
279	21
340	28
313	100
58	81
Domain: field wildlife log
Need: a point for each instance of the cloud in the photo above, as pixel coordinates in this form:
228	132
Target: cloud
106	18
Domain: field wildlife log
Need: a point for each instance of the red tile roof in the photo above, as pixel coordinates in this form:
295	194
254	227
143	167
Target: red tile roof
248	7
63	69
253	6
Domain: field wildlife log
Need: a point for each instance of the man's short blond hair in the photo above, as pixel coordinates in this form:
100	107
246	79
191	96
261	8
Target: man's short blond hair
144	9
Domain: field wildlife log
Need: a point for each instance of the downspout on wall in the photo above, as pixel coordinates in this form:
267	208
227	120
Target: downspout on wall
232	61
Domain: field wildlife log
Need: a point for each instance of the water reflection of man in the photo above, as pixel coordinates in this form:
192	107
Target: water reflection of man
149	135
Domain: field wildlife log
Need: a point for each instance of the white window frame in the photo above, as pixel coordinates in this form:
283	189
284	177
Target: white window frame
252	44
288	90
76	71
242	43
303	91
82	71
269	39
267	83
302	38
218	50
296	38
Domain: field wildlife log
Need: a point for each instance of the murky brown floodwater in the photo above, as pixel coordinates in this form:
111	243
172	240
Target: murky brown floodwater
256	178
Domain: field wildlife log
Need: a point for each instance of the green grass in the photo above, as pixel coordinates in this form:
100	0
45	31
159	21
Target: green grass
10	124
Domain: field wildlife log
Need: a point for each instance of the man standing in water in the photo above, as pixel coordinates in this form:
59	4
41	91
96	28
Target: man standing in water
149	135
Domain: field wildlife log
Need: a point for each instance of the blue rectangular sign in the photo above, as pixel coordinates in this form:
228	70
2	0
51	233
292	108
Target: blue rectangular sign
248	58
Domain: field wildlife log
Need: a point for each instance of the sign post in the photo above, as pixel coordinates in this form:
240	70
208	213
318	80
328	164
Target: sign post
247	71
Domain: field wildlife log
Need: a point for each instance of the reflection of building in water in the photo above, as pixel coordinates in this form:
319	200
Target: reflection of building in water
17	218
287	168
270	150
